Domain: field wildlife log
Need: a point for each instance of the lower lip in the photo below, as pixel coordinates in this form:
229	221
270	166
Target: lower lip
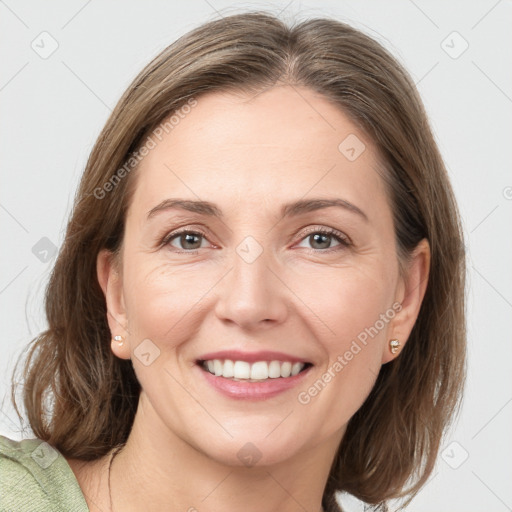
242	390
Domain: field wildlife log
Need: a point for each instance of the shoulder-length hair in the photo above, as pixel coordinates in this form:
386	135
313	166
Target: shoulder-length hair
82	399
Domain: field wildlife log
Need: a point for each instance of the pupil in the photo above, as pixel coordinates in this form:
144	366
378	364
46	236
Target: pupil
321	235
186	239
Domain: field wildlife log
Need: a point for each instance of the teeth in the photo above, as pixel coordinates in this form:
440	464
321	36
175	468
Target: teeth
217	367
260	370
241	370
274	369
286	369
296	368
228	369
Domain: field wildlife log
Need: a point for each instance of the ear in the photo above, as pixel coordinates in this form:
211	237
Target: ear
110	280
410	292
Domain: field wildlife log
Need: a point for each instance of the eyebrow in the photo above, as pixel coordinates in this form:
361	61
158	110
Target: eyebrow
288	210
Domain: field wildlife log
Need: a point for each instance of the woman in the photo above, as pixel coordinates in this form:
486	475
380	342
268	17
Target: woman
260	297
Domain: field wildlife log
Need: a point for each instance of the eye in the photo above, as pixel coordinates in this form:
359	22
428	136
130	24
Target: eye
189	240
322	238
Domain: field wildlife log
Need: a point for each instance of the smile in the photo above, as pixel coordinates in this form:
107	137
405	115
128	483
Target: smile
252	372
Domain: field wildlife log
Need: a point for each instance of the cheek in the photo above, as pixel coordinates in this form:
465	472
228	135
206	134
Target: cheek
356	310
162	299
346	303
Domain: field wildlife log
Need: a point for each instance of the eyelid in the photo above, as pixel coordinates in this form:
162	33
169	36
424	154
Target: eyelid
189	229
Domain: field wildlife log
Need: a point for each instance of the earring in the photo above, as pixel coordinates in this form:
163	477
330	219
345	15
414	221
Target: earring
119	339
394	345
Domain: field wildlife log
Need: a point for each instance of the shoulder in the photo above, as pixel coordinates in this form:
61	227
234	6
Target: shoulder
36	478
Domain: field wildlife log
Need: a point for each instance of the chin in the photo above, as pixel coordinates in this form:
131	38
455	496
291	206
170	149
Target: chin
246	450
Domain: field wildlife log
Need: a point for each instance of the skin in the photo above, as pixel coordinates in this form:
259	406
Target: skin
249	155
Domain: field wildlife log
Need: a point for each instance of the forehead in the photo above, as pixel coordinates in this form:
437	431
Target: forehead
281	144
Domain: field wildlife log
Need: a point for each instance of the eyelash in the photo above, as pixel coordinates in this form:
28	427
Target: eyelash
343	240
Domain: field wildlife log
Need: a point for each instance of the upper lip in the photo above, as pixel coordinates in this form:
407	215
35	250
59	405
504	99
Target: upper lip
252	357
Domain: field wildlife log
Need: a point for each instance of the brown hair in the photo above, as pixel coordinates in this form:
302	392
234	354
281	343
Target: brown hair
82	399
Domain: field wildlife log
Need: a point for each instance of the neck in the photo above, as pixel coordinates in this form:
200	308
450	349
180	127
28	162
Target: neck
174	475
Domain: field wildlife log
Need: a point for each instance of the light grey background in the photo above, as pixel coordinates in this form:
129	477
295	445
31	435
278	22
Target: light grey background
53	108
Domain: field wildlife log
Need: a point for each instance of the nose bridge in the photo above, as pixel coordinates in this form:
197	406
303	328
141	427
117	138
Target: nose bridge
252	294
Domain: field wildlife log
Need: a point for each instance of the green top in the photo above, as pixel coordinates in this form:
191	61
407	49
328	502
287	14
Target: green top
35	477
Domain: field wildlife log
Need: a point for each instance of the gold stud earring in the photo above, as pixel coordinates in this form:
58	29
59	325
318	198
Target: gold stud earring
119	339
394	345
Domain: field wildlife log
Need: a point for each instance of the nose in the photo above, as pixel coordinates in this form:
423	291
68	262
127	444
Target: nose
252	295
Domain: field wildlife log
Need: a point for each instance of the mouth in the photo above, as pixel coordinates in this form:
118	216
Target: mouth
245	375
253	372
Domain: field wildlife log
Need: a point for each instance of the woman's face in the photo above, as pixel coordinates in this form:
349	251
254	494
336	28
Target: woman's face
268	272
